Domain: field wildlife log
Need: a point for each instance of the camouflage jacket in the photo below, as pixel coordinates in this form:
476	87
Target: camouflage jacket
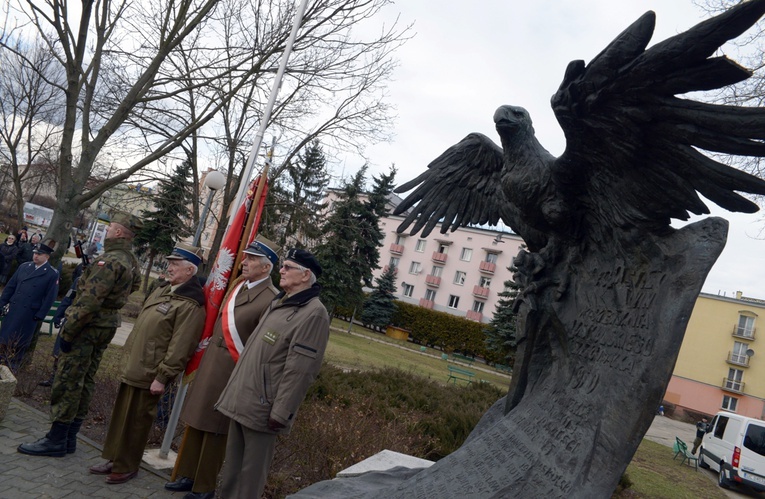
103	289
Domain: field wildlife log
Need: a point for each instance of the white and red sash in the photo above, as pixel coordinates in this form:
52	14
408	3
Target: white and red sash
230	333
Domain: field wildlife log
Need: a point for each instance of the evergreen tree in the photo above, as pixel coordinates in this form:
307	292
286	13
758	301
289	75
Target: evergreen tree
501	333
169	221
295	206
380	306
374	208
340	256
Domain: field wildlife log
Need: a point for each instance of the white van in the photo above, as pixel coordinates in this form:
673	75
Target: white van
734	446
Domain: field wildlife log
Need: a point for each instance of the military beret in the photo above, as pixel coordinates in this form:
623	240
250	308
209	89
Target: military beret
263	247
186	252
127	220
306	259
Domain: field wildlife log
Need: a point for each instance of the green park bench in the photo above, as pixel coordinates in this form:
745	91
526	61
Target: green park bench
502	367
681	449
456	373
463	358
49	317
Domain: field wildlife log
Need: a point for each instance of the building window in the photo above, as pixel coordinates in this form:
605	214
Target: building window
420	247
454	301
394	262
408	290
729	403
492	258
484	282
436	272
735	376
745	326
415	268
400	239
459	278
478	306
442	248
466	255
738	354
430	295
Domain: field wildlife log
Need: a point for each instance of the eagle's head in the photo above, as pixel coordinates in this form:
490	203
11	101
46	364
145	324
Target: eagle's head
513	123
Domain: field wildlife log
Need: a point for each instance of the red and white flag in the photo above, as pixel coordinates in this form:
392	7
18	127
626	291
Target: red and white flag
220	275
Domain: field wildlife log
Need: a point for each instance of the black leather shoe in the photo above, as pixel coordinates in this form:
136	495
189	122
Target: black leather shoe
200	495
182	484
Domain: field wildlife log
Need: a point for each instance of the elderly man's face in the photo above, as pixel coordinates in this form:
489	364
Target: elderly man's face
293	276
35	239
179	271
252	268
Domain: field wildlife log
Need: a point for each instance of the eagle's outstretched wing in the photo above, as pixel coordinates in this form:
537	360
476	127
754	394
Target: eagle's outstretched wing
462	186
636	145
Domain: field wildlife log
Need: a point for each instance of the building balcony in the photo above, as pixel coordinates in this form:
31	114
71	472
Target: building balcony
438	257
737	359
387	268
740	332
397	249
731	385
426	303
474	316
432	280
487	267
480	292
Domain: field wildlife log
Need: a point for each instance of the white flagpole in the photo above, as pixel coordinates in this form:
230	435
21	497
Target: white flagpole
245	182
247	172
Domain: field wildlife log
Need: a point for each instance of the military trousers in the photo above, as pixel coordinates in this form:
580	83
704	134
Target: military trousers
248	458
74	383
132	419
201	458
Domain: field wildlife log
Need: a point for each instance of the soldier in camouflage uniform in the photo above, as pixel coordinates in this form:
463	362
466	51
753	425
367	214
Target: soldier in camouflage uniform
91	322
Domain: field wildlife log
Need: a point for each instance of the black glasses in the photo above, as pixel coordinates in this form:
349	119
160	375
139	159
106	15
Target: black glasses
293	267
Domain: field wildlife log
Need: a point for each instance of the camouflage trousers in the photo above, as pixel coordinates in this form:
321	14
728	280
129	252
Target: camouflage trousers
74	383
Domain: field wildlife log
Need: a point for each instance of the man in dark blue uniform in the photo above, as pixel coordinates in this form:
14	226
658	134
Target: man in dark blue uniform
28	297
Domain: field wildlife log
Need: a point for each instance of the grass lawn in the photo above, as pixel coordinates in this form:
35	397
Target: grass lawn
655	474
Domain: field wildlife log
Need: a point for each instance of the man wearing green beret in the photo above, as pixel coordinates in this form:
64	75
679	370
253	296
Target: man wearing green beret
91	322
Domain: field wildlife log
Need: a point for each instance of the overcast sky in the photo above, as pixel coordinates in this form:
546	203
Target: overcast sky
468	58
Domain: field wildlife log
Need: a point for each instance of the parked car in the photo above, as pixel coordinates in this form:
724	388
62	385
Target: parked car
734	446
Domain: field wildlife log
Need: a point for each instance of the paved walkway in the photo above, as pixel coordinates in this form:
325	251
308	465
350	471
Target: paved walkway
23	476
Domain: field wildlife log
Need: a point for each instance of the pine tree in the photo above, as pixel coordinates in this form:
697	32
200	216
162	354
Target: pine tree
501	333
169	221
294	205
380	304
339	254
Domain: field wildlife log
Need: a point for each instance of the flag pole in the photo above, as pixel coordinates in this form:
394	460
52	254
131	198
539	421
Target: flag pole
244	182
247	172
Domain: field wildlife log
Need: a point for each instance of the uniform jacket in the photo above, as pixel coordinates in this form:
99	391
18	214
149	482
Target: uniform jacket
216	365
31	294
165	334
103	289
279	362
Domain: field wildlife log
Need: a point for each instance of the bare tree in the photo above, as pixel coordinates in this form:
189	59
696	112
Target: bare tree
29	111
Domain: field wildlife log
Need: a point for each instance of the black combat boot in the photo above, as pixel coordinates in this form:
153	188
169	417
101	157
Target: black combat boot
71	436
53	444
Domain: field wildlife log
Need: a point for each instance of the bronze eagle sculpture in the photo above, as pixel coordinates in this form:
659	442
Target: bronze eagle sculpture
632	156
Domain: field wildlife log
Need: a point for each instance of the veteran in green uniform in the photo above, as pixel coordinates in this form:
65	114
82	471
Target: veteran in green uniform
91	322
164	336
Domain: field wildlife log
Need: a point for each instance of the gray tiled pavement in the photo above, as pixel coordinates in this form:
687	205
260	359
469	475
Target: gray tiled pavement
23	476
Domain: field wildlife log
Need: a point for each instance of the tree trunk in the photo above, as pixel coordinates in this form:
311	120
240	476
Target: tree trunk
152	255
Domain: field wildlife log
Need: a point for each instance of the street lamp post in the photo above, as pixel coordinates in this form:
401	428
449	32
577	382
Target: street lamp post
214	180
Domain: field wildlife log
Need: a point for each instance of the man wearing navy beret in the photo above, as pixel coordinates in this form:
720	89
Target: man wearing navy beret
280	361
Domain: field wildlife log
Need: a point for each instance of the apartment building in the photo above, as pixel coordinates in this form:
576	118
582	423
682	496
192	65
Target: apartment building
721	364
459	272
